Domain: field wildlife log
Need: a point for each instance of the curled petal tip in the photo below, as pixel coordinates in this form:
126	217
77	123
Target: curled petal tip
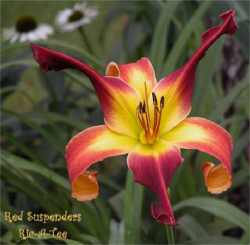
228	13
48	59
217	178
232	23
37	51
160	214
229	26
112	70
86	187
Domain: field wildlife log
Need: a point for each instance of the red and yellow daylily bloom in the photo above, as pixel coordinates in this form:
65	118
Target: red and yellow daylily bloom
148	121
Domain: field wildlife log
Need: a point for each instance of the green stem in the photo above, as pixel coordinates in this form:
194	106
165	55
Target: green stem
170	234
133	201
85	39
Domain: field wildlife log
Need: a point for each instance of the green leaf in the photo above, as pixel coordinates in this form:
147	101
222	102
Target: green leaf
21	146
116	233
7	89
28	93
56	142
241	11
203	102
104	219
54	118
25	183
241	144
226	102
179	46
16	173
79	79
218	208
215	240
245	239
160	37
191	227
92	220
61	44
67	241
116	202
133	200
82	52
240	177
218	226
25	62
20	163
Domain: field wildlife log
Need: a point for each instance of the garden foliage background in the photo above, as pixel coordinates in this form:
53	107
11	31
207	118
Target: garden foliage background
40	112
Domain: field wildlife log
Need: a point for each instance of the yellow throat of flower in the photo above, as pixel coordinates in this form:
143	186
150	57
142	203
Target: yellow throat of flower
150	128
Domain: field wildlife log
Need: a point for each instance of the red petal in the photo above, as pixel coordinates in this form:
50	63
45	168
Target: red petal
216	177
86	187
117	98
209	137
178	86
135	74
153	167
229	26
88	147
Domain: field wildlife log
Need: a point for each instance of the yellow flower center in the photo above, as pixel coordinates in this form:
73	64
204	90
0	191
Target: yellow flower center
150	128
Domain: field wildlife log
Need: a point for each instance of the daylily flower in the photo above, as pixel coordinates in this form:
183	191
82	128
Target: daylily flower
148	120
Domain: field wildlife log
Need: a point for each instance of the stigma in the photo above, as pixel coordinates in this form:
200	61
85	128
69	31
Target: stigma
150	125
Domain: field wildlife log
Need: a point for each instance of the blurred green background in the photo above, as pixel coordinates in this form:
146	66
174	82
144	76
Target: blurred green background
40	112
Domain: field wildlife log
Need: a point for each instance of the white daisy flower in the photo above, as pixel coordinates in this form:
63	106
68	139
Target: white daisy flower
71	19
27	29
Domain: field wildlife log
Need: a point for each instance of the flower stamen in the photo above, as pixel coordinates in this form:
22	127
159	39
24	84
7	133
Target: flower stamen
146	99
150	131
159	117
140	111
